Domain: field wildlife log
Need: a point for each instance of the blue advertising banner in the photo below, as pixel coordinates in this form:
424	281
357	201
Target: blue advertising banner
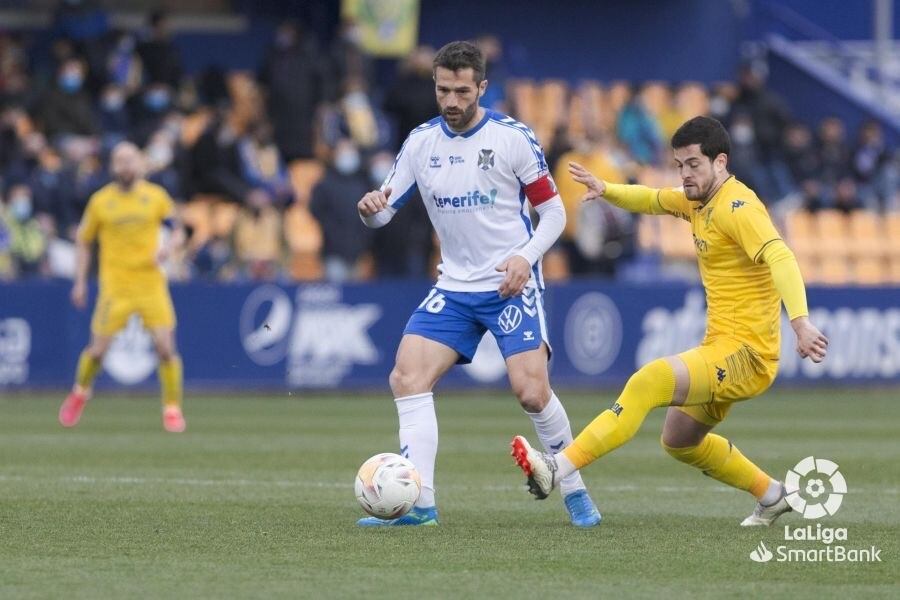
330	337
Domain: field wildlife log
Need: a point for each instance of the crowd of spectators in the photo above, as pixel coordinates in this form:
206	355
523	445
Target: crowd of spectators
267	167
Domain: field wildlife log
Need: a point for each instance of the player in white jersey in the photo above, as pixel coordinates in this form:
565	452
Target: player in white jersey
475	169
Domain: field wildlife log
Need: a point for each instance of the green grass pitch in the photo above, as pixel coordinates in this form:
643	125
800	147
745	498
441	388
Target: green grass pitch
256	500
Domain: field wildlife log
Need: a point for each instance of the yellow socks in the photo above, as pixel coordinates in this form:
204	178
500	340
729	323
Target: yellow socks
652	386
719	459
170	381
88	368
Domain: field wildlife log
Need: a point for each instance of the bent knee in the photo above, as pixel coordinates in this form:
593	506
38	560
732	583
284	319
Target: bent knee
97	349
165	351
683	454
405	382
654	373
675	444
653	383
166	354
533	398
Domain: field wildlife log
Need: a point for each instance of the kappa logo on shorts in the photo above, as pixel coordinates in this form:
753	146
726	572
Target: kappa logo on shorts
720	374
510	318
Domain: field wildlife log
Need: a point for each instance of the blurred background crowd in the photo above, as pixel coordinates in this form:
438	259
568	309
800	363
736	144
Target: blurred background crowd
267	165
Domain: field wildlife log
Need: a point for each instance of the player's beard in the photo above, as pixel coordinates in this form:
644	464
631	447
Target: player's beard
461	119
700	193
125	181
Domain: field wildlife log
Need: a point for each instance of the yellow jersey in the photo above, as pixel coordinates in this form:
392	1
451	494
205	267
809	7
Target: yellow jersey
730	232
126	225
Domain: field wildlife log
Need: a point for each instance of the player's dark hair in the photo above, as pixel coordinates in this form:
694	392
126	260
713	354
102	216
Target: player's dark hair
461	55
706	131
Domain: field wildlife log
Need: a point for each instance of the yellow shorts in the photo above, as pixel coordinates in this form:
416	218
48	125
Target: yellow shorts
723	372
113	311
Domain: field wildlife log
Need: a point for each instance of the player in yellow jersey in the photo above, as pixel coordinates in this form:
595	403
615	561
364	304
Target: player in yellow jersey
747	271
126	219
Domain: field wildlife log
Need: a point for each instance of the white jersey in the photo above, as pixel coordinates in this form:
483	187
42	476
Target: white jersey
473	188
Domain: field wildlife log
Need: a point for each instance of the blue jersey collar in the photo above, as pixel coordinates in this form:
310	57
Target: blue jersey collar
452	134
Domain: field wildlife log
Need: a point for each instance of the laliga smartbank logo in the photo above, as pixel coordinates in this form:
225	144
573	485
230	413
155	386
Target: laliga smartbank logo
761	554
815	488
823	491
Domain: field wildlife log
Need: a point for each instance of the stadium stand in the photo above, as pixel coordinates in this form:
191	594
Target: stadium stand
244	194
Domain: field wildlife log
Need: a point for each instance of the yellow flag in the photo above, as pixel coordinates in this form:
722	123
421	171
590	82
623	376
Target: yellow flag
388	28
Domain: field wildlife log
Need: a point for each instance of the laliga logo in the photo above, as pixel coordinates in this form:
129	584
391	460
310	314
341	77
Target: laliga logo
808	500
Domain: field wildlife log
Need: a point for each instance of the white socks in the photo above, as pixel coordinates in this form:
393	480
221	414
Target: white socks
773	493
419	439
553	429
564	466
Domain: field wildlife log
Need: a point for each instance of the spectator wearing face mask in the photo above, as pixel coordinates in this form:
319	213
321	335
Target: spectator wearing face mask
67	109
112	115
333	204
149	111
25	241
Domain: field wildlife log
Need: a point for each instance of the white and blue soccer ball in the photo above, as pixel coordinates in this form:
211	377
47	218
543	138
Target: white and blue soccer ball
387	486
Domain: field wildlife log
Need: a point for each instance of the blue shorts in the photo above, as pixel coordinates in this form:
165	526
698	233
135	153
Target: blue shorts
459	319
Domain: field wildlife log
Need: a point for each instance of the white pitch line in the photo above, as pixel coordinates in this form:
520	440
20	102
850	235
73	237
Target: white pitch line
128	480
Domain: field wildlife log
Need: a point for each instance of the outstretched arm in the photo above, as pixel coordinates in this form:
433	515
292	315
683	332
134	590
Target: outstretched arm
633	198
789	283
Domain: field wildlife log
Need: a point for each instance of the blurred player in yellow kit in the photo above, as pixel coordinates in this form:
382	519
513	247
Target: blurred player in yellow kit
747	271
127	218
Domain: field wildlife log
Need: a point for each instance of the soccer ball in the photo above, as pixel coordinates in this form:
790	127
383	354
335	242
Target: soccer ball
387	486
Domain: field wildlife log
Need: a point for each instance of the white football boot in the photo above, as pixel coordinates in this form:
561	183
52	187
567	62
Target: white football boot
763	516
539	467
